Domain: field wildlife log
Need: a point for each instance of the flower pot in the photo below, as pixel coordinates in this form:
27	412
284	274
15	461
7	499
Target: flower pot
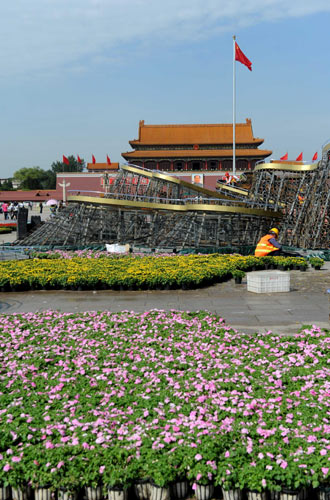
159	492
4	492
303	494
142	490
179	489
94	493
235	494
274	495
67	495
117	493
43	494
256	495
287	494
317	268
302	268
204	491
238	281
323	493
21	493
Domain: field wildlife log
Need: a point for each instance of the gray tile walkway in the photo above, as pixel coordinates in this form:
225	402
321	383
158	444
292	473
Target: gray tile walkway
306	303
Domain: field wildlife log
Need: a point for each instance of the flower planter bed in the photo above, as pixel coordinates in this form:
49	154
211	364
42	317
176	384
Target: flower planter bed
102	400
97	271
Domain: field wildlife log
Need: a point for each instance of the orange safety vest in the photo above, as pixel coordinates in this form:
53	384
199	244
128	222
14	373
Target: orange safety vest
264	247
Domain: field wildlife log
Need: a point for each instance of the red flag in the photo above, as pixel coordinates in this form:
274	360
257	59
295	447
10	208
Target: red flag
108	160
65	160
79	159
300	157
315	157
239	56
93	159
285	157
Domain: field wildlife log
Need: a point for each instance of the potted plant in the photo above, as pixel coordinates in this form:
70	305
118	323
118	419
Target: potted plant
116	475
202	468
162	475
316	263
228	472
238	275
139	470
14	473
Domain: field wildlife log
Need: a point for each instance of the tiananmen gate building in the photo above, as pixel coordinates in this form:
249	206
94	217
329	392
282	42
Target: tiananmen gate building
187	149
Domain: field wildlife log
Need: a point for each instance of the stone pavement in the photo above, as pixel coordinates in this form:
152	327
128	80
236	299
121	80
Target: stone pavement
307	302
10	237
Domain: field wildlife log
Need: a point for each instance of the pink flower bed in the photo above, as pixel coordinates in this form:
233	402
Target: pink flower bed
113	398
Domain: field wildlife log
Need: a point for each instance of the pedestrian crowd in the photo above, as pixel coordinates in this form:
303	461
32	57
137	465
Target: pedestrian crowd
10	210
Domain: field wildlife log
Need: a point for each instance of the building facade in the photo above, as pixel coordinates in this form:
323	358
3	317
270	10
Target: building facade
196	153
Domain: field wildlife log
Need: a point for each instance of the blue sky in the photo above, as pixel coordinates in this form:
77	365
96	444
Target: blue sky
76	76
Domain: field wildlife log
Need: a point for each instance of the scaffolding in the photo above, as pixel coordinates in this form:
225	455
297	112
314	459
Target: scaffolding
157	210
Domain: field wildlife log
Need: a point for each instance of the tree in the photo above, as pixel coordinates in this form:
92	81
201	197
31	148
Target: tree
74	165
31	178
6	185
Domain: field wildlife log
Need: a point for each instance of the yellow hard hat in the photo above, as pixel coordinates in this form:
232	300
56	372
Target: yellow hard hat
274	230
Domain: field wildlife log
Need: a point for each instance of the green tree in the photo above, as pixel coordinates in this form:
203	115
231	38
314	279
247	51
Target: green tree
31	177
74	165
7	185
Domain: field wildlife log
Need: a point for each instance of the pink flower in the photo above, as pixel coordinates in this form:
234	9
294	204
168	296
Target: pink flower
198	477
16	459
6	468
323	452
325	470
198	457
101	469
264	483
227	454
284	464
145	413
60	464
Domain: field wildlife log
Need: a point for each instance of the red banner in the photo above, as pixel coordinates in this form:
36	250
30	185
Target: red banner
241	57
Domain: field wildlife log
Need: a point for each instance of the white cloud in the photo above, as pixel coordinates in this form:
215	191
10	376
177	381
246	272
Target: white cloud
42	36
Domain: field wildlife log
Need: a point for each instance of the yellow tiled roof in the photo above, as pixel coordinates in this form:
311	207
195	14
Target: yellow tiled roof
221	133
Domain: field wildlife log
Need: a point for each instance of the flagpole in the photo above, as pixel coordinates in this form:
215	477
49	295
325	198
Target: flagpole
234	108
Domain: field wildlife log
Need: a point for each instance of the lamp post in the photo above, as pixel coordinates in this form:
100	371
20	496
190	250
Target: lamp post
64	185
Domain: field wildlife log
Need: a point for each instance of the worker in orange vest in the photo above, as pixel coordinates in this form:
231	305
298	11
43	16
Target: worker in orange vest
268	245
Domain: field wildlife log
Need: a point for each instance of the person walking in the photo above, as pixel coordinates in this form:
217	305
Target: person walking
11	210
41	207
5	210
268	244
15	210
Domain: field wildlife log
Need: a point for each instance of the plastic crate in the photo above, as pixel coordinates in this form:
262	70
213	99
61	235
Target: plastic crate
268	281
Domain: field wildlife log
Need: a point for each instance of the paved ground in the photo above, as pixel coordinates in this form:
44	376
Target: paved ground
10	237
307	303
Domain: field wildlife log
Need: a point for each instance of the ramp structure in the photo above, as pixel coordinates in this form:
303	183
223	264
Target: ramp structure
156	210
